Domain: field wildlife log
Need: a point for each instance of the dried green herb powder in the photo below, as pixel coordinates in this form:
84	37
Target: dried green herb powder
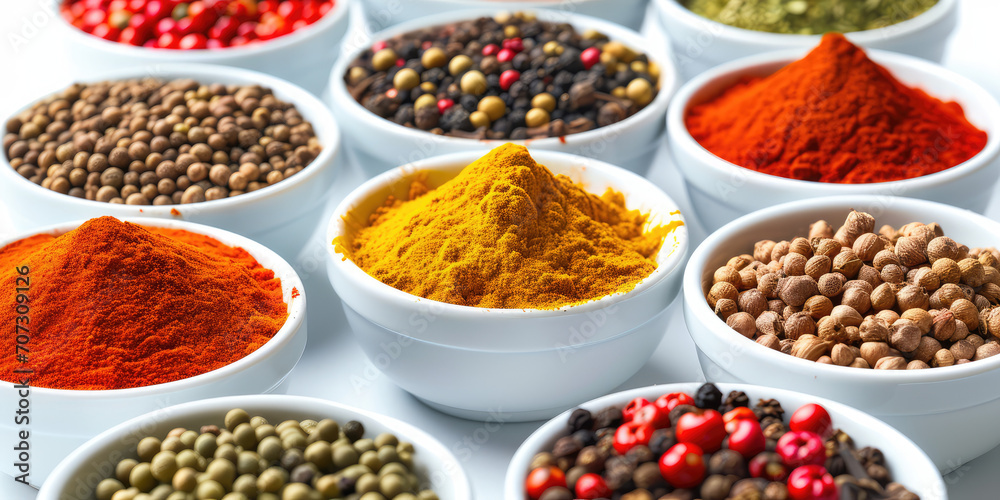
809	17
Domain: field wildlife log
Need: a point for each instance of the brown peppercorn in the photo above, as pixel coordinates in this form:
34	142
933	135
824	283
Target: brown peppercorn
966	312
874	351
847	263
768	285
904	335
942	247
842	355
769	341
884	258
752	301
818	306
725	308
722	290
986	350
891	363
794	264
943	357
810	347
962	349
770	323
762	250
867	245
831	284
972	272
743	323
912	297
799	324
795	290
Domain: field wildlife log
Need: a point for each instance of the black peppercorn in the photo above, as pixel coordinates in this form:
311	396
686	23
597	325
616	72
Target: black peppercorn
648	476
608	417
567	446
727	462
735	399
708	397
353	430
580	419
678	411
661	441
717	487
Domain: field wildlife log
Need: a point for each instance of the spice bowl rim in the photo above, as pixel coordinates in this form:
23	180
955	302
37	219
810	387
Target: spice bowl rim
936	13
696	303
438	454
666	264
294	324
519	465
336	14
760	64
311	108
669	80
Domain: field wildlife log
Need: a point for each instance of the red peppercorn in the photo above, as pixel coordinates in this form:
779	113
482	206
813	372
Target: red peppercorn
669	401
193	41
703	428
812	482
813	418
444	104
747	438
515	44
106	32
391	93
507	78
683	465
633	406
379	45
543	478
505	55
589	57
653	415
768	465
801	448
591	486
490	49
130	36
631	434
736	414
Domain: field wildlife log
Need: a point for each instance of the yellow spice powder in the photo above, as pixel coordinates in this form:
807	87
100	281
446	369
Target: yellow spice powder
508	233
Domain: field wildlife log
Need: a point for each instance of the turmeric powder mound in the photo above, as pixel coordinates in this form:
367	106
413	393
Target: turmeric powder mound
508	233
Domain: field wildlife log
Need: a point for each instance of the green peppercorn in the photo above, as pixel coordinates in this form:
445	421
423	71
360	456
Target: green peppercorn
236	417
639	91
142	477
258	421
459	64
367	482
407	447
479	119
328	429
227	452
391	485
424	101
209	489
124	468
370	459
473	82
186	479
427	495
206	444
246	484
161	492
344	456
189	437
270	448
356	74
296	491
384	59
265	430
319	454
272	480
286	425
248	462
147	448
222	472
393	468
494	107
189	458
553	48
372	495
328	486
433	57
108	487
536	117
307	426
294	440
245	436
544	101
164	466
178	495
232	495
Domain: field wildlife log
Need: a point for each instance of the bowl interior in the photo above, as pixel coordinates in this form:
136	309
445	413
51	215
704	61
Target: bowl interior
909	465
793	219
79	473
593	175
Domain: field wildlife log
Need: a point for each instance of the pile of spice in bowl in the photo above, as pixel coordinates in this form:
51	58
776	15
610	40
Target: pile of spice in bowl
900	298
808	17
147	141
512	76
242	456
681	446
115	305
200	24
834	116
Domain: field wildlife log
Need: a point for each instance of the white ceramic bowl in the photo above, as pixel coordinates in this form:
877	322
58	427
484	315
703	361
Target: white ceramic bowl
77	475
630	143
721	191
909	465
946	411
532	364
280	216
61	420
303	57
385	13
700	43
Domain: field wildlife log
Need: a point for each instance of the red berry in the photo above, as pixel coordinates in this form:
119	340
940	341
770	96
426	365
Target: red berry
444	104
633	406
507	78
590	486
704	428
290	10
224	29
768	465
193	41
590	57
392	93
514	44
505	55
813	418
812	482
93	18
214	44
737	414
747	438
165	25
672	400
379	45
157	9
683	465
801	448
653	415
167	41
631	434
543	478
106	32
490	49
130	36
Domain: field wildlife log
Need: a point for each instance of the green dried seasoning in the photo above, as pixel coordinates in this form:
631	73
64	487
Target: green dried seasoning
809	17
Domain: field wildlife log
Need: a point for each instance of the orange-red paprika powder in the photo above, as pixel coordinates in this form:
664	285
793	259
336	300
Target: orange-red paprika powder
834	116
115	305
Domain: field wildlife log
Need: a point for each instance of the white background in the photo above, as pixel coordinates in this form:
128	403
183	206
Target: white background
332	360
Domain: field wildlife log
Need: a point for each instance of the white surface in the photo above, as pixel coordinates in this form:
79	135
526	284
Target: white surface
627	143
335	368
388	12
560	346
62	420
914	401
702	44
435	464
919	474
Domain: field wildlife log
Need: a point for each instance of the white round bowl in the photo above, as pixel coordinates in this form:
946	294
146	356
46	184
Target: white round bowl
909	465
700	43
281	216
630	143
61	420
721	191
302	57
923	404
78	475
467	361
384	13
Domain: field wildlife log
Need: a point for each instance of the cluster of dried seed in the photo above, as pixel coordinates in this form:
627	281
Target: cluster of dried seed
906	298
